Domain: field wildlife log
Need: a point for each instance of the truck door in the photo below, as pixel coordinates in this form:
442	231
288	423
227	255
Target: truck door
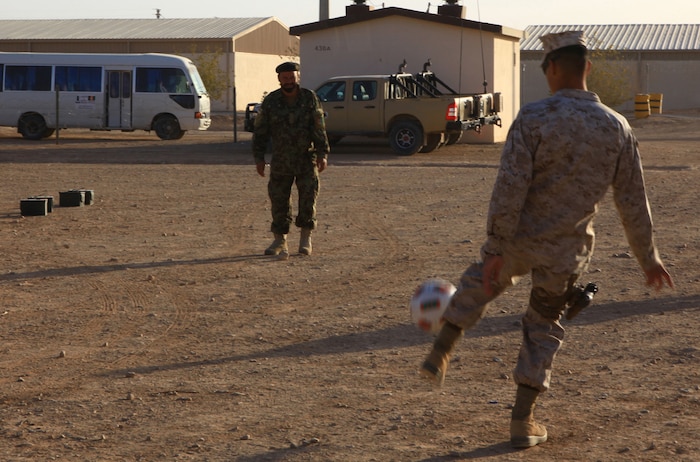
332	96
364	109
119	99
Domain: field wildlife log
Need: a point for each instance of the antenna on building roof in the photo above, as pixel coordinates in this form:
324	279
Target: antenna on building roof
158	13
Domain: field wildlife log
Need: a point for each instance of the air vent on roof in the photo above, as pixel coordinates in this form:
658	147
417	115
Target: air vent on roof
358	9
451	8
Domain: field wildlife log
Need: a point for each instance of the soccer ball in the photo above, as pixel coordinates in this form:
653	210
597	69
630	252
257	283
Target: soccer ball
429	303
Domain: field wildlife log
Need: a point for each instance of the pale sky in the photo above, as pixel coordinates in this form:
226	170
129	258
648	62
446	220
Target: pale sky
517	14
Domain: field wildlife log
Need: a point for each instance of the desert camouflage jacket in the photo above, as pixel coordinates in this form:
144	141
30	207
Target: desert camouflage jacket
296	133
561	156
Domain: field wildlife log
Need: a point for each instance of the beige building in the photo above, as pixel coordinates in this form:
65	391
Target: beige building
248	49
463	53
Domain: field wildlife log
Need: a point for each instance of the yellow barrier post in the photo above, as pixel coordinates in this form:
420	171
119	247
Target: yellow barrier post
655	100
641	106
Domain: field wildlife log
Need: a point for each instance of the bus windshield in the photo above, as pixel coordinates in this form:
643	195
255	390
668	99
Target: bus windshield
197	80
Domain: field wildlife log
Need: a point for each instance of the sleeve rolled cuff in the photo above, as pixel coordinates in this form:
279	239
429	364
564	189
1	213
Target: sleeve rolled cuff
492	246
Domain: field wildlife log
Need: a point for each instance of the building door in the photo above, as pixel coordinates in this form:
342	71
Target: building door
119	99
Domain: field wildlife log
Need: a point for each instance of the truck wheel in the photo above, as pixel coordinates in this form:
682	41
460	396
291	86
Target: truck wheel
406	137
434	140
453	138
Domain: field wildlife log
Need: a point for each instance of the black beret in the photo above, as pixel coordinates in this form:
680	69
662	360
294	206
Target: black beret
289	66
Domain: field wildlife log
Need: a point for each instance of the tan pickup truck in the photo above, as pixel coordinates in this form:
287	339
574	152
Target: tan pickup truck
416	112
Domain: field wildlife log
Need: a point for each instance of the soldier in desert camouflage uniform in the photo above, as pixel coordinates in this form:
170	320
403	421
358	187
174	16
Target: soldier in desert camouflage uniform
290	120
561	156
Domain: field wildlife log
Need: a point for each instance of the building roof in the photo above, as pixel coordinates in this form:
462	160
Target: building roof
393	11
127	29
624	37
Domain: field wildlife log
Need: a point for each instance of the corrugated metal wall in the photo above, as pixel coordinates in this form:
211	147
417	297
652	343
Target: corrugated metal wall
118	46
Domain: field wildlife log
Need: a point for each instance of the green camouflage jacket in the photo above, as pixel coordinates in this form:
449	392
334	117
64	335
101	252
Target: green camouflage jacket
295	133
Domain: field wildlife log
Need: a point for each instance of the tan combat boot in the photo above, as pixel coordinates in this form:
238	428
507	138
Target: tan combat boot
435	365
278	246
305	241
524	431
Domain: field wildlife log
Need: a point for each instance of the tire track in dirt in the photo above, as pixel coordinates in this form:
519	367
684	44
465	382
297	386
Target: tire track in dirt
381	250
133	314
240	225
167	310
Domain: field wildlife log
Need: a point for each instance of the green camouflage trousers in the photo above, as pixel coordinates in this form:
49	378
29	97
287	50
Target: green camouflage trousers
543	334
279	189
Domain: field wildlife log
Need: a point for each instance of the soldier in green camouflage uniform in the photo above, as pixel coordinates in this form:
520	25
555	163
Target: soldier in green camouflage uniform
561	156
291	122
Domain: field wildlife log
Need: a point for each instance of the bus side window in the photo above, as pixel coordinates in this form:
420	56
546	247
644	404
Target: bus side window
147	80
78	78
161	80
28	78
181	84
175	81
14	79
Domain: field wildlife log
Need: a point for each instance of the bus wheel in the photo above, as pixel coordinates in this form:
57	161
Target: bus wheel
168	128
32	126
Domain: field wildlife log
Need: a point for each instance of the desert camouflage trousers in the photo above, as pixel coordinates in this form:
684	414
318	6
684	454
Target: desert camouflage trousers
543	334
279	189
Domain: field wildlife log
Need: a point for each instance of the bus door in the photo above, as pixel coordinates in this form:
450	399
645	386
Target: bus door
119	99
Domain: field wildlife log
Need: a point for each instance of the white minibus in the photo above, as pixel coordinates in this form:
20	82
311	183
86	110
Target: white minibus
40	92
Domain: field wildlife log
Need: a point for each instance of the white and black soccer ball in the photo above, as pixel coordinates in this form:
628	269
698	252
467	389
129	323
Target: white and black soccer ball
429	302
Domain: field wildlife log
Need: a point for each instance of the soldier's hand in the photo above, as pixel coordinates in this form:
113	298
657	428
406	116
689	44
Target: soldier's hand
321	164
657	276
260	167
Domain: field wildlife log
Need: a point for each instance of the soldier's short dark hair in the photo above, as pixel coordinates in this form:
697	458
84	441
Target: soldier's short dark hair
573	57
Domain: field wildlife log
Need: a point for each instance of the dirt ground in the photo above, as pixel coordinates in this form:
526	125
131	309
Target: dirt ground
149	327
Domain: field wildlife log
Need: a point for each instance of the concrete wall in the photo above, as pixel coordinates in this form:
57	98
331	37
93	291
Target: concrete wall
503	60
379	46
255	75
